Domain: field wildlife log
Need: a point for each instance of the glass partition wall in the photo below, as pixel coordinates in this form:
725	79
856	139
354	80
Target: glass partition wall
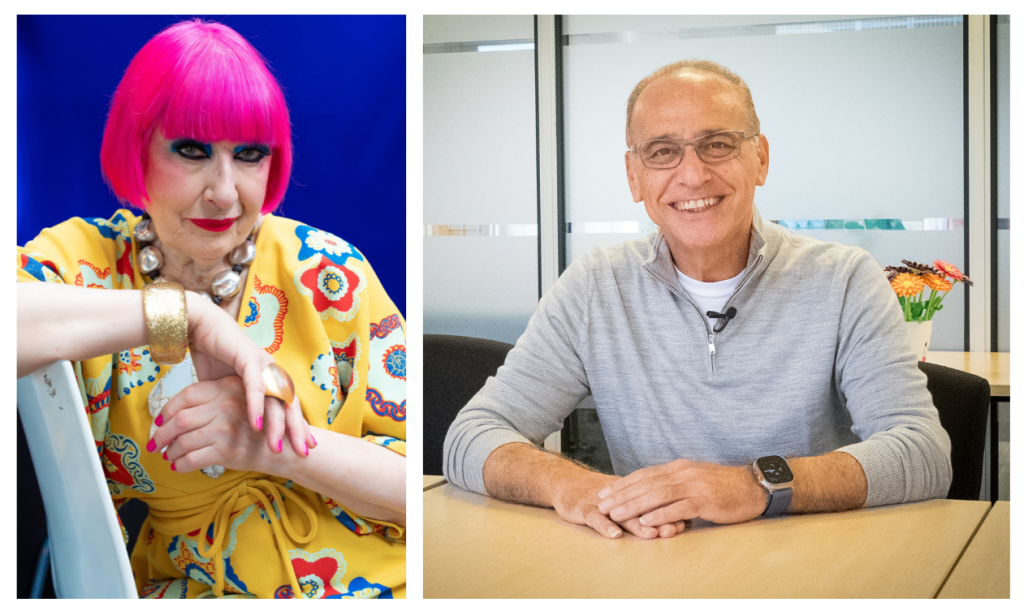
479	176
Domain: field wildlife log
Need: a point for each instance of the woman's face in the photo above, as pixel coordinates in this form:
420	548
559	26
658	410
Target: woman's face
205	197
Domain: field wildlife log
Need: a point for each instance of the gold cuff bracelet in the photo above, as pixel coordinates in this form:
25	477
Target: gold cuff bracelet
163	304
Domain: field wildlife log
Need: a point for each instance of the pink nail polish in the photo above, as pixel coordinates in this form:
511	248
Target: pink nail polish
173	468
307	448
159	420
165	454
315	442
279	445
151	446
259	423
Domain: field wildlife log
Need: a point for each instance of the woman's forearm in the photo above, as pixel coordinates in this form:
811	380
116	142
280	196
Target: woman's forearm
75	323
57	321
362	476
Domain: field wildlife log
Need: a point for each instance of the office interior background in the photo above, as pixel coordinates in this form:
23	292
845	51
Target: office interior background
890	133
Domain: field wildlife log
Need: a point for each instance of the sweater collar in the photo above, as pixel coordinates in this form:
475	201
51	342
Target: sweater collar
659	259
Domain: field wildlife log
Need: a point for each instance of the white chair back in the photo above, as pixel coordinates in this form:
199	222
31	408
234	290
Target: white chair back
88	557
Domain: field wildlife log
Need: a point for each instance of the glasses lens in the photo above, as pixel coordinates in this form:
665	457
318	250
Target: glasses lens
660	153
720	146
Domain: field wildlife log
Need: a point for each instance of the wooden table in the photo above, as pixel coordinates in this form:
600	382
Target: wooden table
994	367
984	569
477	547
432	481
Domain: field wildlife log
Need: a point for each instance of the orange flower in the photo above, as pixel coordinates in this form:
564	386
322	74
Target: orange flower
907	285
937	282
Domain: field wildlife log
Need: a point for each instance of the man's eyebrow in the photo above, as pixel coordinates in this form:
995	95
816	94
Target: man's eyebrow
700	133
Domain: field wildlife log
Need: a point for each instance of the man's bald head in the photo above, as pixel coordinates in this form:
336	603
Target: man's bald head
695	67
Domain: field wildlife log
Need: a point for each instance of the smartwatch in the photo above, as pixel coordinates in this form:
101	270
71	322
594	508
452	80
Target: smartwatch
774	474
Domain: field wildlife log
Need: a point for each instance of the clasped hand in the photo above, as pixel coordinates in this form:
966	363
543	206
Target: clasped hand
656	501
207	424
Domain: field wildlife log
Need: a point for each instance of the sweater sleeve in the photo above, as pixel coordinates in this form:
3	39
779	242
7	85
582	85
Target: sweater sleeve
905	450
541	382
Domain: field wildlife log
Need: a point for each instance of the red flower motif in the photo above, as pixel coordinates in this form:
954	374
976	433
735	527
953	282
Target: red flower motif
333	289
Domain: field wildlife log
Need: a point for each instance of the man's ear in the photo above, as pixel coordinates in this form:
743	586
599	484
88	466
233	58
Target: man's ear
762	157
633	177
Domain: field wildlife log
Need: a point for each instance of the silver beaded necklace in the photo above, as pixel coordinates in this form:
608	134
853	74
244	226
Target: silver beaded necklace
225	285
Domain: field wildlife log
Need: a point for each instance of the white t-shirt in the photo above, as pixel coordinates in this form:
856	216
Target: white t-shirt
709	295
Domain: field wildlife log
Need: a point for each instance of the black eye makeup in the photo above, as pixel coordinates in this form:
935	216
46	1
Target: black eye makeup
190	148
251	153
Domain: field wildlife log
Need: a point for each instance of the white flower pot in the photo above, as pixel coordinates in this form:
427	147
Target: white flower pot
920	334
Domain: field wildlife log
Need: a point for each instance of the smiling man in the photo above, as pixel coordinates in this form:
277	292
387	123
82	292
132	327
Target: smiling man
739	369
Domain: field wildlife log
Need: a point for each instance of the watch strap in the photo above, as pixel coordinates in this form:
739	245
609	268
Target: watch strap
779	502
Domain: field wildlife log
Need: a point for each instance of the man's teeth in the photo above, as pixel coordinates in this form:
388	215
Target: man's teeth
698	203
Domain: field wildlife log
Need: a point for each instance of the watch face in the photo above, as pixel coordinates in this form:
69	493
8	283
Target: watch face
775	470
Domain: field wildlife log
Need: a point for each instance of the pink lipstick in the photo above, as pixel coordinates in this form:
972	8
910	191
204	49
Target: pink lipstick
213	224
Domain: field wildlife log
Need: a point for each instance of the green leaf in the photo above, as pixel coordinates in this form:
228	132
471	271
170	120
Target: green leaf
916	309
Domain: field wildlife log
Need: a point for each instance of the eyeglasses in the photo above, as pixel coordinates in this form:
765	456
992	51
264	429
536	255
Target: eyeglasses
665	153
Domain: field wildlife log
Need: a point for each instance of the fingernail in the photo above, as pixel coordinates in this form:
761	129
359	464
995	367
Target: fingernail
279	442
259	423
165	454
648	531
315	442
617	513
615	533
307	448
173	468
644	520
159	420
151	446
604	492
604	505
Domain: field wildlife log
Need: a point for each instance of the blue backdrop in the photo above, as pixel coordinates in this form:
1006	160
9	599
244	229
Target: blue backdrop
344	81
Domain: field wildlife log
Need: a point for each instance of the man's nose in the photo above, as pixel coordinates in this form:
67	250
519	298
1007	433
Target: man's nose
691	170
220	187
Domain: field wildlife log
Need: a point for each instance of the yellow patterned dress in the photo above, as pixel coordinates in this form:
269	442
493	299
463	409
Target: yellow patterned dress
314	303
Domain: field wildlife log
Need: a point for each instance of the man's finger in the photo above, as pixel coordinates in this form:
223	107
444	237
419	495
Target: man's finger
597	520
667	531
626	494
686	509
644	532
653	498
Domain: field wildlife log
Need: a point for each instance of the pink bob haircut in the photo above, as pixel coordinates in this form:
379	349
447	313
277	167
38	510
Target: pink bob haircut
197	80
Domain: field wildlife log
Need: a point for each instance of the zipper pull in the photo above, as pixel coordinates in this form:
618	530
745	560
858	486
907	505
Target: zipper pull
711	344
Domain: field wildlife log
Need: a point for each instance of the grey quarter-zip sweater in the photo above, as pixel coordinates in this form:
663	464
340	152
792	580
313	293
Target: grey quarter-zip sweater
815	360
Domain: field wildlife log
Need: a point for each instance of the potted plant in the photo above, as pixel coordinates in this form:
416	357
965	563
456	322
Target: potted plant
909	282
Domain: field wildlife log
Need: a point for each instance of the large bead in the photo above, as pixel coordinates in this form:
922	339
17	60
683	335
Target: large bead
150	259
144	232
226	284
244	254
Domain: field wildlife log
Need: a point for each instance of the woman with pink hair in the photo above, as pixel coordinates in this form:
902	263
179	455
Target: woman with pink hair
244	373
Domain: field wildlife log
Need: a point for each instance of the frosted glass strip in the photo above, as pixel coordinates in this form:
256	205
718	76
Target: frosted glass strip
597	24
462	28
771	28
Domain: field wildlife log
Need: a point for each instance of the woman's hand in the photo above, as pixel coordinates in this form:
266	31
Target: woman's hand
220	348
205	424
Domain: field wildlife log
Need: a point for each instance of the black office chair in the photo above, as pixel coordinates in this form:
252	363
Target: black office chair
963	401
454	369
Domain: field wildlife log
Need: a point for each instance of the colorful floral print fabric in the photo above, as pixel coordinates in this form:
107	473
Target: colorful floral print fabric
312	300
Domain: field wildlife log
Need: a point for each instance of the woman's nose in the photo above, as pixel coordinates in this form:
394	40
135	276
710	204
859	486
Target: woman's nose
221	189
